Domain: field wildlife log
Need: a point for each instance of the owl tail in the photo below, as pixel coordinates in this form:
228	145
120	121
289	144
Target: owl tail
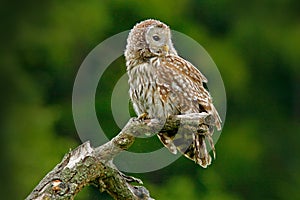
198	152
167	142
192	145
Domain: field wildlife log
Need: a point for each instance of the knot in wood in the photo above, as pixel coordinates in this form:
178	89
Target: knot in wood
124	141
59	187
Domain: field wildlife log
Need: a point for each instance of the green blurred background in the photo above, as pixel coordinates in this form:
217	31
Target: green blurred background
255	44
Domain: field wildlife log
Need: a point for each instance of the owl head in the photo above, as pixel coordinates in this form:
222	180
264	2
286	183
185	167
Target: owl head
149	38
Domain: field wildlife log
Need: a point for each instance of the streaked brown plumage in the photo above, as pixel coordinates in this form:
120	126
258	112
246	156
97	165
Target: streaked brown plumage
164	84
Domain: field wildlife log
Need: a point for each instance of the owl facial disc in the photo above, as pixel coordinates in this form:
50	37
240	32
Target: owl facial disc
157	40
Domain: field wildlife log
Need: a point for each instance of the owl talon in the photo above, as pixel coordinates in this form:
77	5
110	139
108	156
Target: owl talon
143	116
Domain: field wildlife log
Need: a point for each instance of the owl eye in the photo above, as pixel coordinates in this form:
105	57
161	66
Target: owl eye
156	37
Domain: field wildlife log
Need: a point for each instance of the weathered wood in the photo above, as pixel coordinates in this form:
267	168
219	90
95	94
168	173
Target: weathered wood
87	165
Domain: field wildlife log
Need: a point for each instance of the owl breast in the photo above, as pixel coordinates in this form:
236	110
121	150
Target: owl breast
147	94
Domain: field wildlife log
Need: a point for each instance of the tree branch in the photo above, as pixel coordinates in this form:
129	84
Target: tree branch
86	165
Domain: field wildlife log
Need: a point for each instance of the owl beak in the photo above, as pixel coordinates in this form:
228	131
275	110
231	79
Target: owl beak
165	48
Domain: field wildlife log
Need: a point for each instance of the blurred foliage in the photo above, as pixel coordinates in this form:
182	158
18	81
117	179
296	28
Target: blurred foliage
255	44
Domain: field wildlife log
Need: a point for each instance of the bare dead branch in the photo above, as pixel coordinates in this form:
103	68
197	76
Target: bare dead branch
87	165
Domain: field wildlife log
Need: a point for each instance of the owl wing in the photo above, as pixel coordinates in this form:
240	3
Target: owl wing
182	84
186	68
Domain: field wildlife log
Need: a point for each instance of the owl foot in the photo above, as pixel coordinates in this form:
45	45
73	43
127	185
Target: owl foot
143	116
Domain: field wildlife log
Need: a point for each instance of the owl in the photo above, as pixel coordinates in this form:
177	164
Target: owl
163	84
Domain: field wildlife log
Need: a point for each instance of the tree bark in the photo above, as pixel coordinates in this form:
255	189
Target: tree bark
86	165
